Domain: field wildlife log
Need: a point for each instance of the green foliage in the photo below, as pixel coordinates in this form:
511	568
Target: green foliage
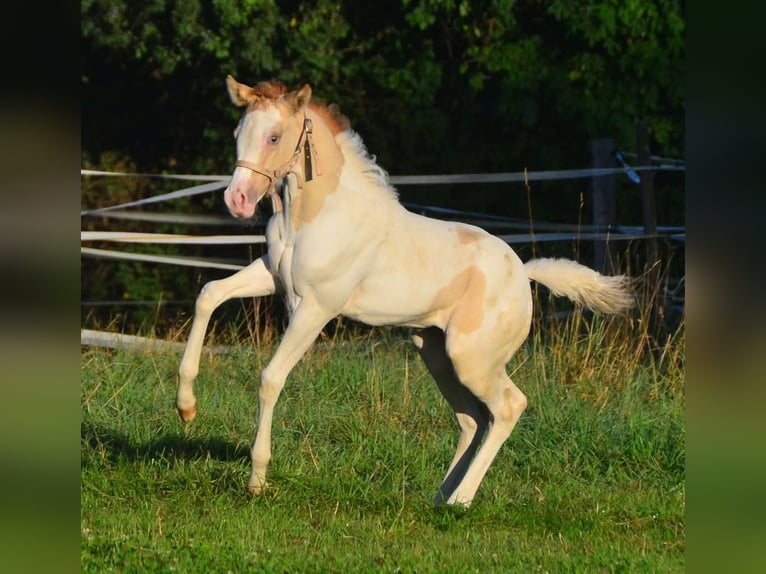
591	480
627	58
433	86
591	68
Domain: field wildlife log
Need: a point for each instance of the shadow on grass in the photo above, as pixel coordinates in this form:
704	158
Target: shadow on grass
115	446
443	517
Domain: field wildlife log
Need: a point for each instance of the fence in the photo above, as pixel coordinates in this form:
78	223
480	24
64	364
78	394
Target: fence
604	232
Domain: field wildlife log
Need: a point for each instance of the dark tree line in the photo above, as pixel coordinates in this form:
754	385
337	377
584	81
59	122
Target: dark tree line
432	85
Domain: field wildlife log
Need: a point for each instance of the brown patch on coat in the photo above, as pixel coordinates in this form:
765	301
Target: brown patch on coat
309	201
313	197
467	235
465	297
296	206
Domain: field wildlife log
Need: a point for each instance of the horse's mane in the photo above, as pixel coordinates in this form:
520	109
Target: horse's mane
350	142
353	147
271	89
335	120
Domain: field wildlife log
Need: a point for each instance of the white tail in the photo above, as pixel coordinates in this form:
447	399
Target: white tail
581	284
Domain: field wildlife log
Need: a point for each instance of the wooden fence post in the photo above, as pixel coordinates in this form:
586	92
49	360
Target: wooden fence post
604	203
652	270
648	209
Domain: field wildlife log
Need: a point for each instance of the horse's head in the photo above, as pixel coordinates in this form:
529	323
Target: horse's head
270	138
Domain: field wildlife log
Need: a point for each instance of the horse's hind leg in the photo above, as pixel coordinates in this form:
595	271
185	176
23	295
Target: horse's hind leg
505	403
253	281
471	414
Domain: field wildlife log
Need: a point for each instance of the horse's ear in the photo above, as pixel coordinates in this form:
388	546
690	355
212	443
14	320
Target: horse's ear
238	92
300	98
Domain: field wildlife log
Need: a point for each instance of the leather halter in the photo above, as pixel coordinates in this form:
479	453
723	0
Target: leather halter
305	145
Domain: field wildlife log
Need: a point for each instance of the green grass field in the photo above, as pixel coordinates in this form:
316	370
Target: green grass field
592	479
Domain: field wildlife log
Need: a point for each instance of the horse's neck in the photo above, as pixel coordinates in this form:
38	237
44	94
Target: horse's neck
344	176
349	202
328	156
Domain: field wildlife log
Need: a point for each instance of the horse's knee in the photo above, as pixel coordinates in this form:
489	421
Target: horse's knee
513	404
517	399
206	302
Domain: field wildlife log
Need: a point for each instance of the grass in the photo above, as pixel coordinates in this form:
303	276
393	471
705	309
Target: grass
592	479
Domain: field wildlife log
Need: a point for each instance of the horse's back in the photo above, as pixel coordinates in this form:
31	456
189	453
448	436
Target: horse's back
428	272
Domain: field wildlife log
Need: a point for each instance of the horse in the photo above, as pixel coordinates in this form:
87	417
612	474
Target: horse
339	243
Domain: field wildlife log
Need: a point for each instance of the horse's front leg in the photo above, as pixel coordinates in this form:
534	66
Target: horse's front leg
254	280
305	324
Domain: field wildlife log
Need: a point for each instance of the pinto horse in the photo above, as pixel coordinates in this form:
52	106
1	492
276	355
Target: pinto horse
341	244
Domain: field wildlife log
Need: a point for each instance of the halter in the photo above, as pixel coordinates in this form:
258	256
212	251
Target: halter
305	144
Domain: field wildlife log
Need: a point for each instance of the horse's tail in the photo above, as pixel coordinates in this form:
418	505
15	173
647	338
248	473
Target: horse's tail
608	294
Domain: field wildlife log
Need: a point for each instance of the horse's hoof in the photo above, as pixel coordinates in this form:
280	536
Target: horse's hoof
255	489
439	500
459	502
188	414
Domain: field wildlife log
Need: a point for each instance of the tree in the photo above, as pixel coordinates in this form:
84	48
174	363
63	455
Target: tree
435	84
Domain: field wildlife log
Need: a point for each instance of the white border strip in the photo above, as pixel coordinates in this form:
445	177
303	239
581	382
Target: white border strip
170	238
185	192
185	261
183	176
522	176
91	338
182	218
546	237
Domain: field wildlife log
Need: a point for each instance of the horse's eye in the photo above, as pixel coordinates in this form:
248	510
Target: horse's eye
273	139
